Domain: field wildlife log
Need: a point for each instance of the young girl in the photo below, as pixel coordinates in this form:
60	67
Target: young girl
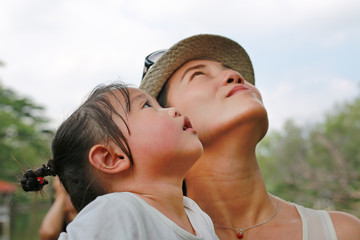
122	159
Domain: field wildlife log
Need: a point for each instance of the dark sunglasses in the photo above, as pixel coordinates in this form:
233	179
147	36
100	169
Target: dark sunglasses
151	59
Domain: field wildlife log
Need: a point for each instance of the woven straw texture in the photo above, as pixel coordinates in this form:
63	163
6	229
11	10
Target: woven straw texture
204	46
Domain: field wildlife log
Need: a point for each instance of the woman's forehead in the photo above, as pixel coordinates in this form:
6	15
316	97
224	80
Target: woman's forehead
203	61
196	64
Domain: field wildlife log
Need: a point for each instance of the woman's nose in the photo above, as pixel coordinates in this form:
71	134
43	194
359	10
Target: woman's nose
231	76
173	112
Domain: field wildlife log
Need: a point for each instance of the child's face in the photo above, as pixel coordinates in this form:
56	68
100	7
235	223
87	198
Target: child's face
159	138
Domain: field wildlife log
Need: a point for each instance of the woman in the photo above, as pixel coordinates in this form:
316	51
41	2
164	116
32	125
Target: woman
210	79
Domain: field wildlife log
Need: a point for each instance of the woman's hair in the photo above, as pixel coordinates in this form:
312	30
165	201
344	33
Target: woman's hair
163	95
92	123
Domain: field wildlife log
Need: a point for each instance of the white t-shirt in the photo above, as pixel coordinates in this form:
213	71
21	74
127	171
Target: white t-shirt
126	216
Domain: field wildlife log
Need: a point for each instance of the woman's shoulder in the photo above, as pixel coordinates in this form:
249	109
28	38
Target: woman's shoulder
346	225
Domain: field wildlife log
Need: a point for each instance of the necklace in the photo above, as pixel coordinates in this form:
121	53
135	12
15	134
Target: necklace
240	231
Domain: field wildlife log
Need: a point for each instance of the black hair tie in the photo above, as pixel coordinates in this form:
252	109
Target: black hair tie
33	181
49	169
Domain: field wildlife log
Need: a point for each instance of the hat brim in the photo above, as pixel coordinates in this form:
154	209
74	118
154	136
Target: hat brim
202	46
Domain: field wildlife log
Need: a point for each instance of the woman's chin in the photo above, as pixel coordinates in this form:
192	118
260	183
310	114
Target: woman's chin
242	125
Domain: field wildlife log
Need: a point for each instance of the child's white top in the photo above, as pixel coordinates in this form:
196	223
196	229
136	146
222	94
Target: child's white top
127	216
317	224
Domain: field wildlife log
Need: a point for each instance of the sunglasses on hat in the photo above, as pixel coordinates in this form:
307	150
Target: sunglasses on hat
151	59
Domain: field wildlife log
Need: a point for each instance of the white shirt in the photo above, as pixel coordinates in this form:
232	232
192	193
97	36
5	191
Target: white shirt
317	224
127	216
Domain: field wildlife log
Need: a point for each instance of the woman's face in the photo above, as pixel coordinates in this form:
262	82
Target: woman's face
216	98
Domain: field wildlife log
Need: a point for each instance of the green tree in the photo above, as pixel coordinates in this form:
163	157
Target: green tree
23	134
317	166
337	143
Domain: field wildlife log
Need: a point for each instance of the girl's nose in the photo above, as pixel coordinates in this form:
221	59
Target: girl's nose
173	112
230	76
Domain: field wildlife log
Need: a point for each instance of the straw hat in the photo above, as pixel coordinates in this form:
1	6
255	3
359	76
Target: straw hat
203	46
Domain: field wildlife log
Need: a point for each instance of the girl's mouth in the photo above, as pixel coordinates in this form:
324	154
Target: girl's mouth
187	124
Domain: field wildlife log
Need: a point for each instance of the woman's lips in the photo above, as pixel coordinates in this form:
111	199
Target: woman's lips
236	89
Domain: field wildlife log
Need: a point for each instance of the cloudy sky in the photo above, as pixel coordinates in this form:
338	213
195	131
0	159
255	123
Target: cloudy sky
306	53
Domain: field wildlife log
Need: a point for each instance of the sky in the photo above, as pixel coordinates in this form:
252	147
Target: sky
306	54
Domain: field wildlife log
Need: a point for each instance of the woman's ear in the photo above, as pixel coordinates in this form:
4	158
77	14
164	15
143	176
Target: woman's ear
108	159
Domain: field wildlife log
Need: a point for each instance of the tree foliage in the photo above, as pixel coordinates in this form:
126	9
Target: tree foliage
23	134
317	166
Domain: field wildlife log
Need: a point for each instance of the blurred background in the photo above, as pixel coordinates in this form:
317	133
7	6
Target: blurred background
305	54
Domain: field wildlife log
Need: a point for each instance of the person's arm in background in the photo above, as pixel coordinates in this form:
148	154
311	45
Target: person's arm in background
53	222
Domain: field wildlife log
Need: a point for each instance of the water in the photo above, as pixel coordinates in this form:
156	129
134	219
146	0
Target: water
26	221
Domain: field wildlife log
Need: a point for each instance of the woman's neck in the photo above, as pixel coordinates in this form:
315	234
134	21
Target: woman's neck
228	185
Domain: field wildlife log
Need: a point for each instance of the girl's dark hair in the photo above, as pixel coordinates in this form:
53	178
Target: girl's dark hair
92	123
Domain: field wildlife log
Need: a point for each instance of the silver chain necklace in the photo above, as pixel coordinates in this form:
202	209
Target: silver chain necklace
240	231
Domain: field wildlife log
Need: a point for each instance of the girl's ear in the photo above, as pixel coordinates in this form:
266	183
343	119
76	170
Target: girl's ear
108	159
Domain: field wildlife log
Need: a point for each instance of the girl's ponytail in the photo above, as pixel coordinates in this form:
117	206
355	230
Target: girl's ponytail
92	123
33	180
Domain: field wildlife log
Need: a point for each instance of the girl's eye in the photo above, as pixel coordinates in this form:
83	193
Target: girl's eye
196	74
147	105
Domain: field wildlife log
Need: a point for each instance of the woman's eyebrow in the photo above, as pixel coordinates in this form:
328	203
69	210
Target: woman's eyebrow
192	68
226	66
